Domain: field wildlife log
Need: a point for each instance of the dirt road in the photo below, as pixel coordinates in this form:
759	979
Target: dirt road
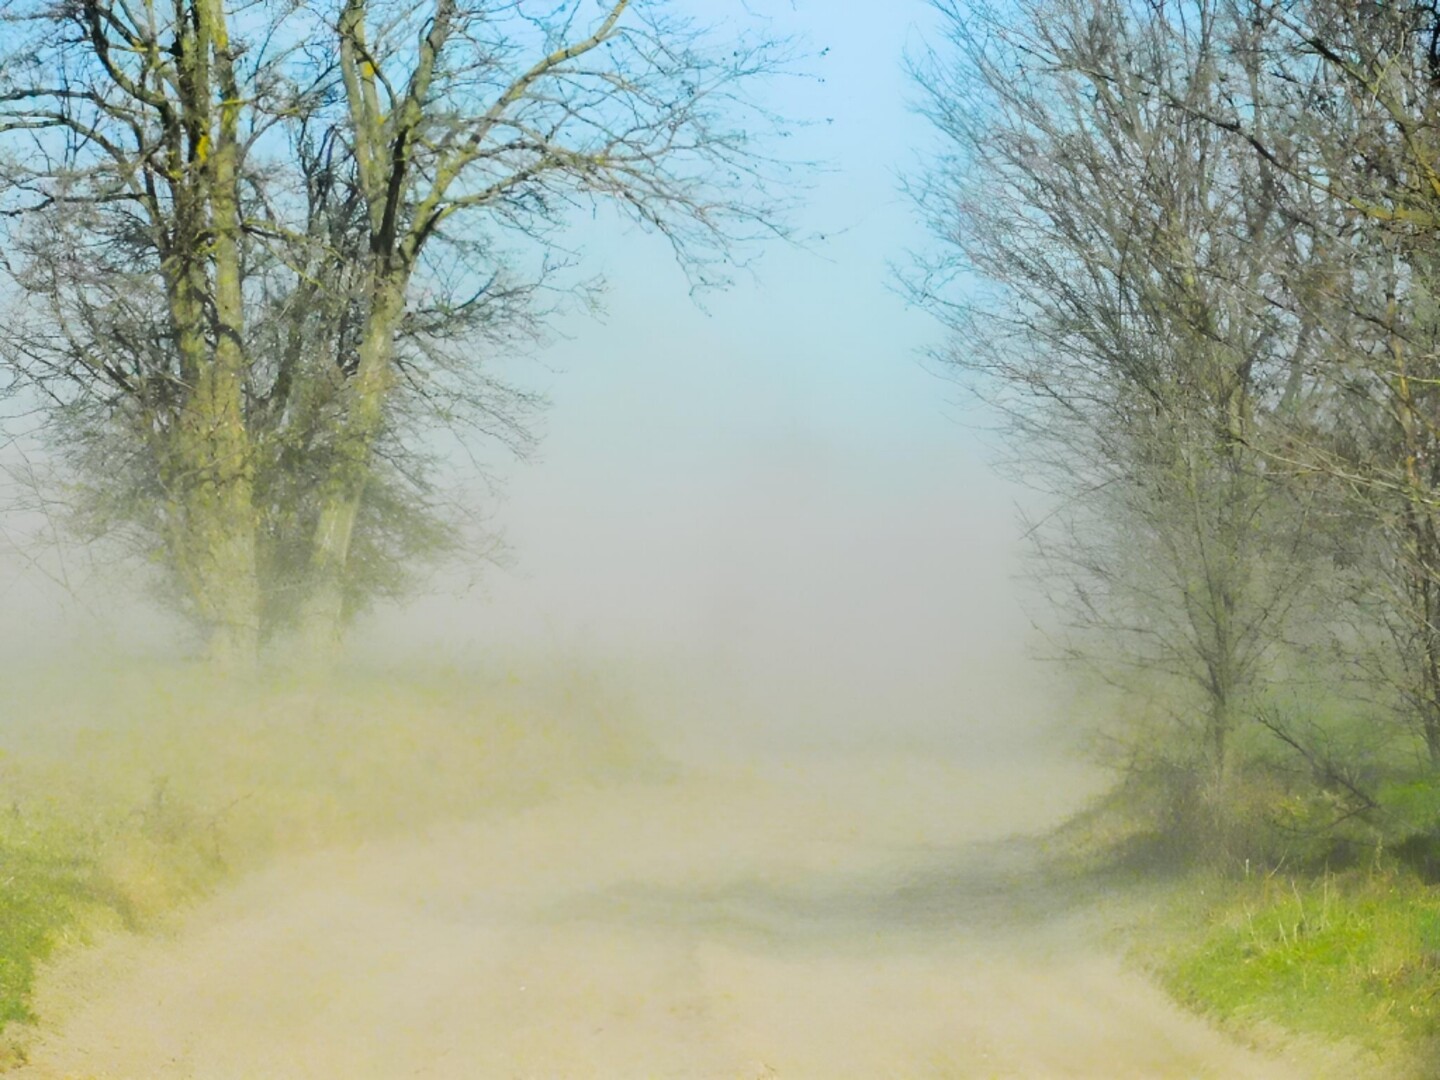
862	917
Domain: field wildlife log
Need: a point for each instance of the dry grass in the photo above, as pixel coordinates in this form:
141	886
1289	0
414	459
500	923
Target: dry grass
131	790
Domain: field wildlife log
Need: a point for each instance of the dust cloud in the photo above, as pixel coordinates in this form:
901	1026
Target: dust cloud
759	526
831	866
854	919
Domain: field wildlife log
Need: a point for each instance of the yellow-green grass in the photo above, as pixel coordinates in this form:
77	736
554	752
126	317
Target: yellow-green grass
1351	958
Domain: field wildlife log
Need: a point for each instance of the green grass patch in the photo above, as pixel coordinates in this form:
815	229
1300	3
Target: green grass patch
46	881
125	794
1352	957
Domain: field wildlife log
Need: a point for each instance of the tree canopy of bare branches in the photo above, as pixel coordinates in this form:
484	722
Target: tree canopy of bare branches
258	252
1188	251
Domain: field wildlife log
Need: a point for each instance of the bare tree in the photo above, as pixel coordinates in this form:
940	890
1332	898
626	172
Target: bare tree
1118	256
1343	112
260	251
126	122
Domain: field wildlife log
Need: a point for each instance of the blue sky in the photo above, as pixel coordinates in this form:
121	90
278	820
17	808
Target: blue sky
781	477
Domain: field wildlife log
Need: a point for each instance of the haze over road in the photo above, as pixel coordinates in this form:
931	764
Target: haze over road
848	917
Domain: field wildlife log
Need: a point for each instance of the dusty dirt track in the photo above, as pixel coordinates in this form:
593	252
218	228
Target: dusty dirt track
858	917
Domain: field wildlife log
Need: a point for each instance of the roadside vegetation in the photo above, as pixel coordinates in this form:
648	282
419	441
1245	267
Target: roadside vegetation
1188	255
1353	956
133	791
1292	936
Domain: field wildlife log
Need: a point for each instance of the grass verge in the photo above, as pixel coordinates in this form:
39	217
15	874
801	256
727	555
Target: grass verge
1349	960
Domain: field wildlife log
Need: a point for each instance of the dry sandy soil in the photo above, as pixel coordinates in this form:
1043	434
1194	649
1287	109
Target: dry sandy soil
864	916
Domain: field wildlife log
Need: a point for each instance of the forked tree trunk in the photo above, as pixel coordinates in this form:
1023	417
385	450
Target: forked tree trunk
323	615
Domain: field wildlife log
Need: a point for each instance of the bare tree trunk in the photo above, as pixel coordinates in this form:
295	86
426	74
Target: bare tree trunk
213	468
1423	556
1425	601
236	640
213	532
1221	720
221	523
323	615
